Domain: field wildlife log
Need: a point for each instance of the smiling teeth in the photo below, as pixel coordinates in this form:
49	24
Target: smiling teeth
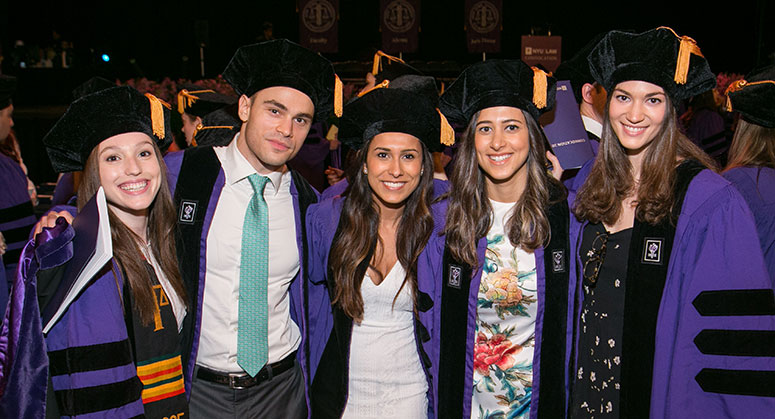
500	158
634	130
393	184
133	187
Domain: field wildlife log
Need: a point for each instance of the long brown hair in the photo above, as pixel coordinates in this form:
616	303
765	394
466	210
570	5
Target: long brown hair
356	240
752	145
469	214
126	250
611	180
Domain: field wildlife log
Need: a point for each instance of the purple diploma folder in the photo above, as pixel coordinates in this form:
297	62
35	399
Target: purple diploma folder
565	130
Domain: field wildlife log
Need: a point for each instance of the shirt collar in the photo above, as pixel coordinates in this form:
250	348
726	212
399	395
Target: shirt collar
592	125
237	168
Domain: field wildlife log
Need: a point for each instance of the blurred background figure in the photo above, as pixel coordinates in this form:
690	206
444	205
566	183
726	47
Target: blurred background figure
751	165
209	118
17	214
703	124
267	32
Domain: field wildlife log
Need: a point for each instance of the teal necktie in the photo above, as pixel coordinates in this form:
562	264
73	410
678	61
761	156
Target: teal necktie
252	348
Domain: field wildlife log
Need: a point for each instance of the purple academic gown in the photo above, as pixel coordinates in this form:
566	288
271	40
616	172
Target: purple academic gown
17	217
757	185
194	281
711	356
90	339
548	296
322	222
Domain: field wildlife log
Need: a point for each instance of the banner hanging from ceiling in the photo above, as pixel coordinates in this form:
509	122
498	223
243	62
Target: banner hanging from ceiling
483	25
319	25
400	25
543	51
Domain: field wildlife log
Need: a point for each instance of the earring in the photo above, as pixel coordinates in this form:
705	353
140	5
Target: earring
422	171
365	170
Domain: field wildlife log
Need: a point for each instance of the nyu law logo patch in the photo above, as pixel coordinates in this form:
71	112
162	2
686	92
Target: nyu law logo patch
652	250
187	212
455	276
558	261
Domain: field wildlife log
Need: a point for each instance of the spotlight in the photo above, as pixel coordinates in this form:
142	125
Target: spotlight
105	58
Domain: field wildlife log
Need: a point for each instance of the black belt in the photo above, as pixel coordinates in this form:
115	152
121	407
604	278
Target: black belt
240	381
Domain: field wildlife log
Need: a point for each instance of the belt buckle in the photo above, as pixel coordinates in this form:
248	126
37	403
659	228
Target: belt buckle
233	380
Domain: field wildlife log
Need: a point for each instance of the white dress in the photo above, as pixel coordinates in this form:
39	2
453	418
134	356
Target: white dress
386	378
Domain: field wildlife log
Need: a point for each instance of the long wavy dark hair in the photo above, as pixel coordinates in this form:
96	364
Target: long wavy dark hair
356	241
469	214
611	180
126	244
752	145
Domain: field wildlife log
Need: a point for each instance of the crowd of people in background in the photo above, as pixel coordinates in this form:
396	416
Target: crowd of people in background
282	250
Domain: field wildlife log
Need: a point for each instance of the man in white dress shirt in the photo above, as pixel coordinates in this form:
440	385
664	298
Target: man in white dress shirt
283	88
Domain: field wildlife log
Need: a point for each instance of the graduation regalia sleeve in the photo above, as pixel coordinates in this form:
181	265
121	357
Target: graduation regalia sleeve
23	358
713	351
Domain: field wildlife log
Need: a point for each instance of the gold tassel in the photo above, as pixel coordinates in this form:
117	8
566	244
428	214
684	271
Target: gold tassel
733	87
382	85
157	115
685	50
539	88
447	133
338	99
377	66
332	132
186	98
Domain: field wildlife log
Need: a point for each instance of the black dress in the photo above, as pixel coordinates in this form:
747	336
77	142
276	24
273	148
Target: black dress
598	372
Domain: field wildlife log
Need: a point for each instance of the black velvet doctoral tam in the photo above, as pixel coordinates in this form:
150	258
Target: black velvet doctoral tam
494	83
754	97
98	116
283	63
657	56
407	105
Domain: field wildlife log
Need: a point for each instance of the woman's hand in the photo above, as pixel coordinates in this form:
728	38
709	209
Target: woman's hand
334	175
556	167
50	220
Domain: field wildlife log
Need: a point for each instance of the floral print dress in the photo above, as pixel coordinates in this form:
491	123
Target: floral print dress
505	326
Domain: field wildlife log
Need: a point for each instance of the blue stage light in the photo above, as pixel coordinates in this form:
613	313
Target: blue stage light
105	57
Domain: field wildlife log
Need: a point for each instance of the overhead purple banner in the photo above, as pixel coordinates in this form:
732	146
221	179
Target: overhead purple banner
545	51
483	25
319	25
400	25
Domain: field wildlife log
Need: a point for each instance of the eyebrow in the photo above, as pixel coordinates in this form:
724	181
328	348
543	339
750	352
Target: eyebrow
487	121
112	147
647	95
285	108
388	149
